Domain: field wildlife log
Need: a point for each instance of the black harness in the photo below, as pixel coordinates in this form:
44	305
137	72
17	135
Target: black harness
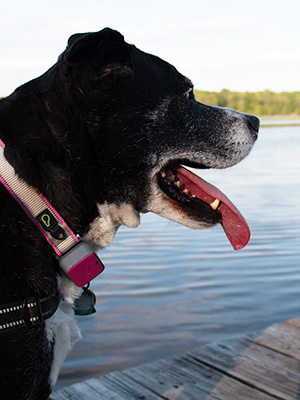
30	312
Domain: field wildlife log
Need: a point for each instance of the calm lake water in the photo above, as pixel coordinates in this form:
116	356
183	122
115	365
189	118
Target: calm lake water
167	289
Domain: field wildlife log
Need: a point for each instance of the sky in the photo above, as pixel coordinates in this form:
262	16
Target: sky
238	45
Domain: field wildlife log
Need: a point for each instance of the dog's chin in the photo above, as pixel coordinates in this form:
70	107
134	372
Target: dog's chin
165	207
103	229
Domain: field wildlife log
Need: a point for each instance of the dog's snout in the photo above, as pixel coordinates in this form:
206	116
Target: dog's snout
253	122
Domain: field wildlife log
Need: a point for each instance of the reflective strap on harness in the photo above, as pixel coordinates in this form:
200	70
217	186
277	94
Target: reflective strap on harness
39	210
30	312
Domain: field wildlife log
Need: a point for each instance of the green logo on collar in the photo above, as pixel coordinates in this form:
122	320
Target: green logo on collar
46	220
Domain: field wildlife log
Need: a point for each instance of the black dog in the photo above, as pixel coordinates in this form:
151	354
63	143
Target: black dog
102	134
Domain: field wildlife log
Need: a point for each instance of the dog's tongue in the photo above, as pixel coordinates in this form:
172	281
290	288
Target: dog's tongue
233	222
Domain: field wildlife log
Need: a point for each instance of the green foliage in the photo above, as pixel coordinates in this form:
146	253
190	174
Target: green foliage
259	103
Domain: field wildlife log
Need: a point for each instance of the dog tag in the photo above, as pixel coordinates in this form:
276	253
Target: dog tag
85	304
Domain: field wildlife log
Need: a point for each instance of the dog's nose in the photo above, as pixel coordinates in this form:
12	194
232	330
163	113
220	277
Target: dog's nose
253	122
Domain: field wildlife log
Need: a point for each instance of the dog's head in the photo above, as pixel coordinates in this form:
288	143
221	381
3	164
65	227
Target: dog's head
142	123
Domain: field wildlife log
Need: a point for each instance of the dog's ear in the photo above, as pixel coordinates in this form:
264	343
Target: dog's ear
107	44
80	48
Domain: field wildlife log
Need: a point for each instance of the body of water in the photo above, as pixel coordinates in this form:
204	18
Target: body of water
167	289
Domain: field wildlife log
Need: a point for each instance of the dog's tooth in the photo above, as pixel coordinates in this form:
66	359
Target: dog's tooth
193	196
215	204
177	183
185	191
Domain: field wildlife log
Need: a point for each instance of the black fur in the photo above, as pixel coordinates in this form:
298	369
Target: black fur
91	130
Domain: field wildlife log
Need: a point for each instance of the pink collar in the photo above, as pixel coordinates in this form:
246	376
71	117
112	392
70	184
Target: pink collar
76	257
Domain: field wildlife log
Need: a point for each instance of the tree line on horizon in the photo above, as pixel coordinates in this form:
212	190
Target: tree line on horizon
259	103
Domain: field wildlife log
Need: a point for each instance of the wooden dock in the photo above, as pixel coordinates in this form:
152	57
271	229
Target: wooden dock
262	366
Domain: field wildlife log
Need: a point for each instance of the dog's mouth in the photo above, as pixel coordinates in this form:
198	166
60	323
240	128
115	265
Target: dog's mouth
203	201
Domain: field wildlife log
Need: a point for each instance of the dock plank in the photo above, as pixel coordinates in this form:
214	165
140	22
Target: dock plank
283	338
128	388
114	386
263	366
170	382
267	370
226	387
181	379
86	391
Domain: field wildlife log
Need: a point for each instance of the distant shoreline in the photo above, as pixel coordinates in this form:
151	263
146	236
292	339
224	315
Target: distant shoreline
278	117
265	103
279	121
264	117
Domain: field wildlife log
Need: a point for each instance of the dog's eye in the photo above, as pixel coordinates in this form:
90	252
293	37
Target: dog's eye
189	94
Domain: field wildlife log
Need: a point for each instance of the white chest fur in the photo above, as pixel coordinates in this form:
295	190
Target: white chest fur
61	328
